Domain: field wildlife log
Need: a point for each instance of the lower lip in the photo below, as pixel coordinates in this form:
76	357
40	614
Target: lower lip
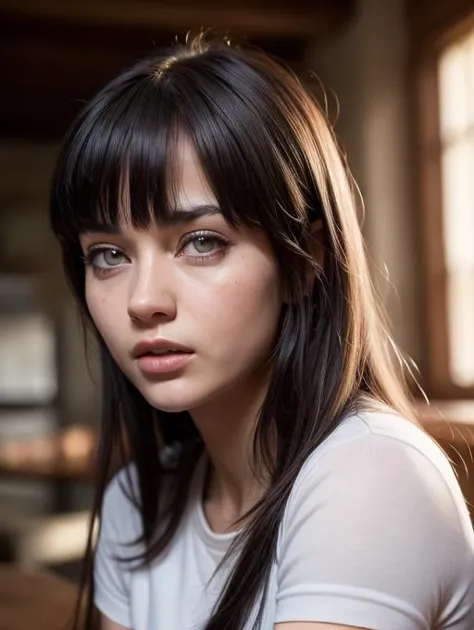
162	364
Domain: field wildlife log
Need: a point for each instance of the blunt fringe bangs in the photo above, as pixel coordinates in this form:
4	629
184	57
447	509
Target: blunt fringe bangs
120	160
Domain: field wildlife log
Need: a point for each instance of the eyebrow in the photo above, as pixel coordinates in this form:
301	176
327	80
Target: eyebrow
179	216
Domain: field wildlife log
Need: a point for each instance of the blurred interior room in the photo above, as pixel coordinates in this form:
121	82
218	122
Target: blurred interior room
398	81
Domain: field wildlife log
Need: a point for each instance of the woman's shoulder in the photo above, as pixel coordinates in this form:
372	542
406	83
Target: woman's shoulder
380	472
120	506
386	460
373	431
376	516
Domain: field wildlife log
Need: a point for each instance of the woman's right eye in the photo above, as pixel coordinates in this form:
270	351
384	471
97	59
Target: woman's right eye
105	258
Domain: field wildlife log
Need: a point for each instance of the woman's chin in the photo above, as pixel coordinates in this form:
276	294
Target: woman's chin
173	401
168	406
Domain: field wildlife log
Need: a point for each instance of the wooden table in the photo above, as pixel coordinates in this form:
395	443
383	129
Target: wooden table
450	422
68	455
35	600
56	469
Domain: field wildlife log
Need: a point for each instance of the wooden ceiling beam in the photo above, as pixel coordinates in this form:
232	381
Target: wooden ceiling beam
56	55
262	18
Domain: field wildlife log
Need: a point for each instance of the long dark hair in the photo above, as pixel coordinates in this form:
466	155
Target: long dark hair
272	162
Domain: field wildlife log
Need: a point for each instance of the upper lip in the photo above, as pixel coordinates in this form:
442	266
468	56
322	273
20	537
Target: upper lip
157	344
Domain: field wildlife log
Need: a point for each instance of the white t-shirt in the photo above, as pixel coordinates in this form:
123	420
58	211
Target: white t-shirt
375	534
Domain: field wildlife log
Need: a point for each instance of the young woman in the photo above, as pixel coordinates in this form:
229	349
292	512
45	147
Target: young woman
276	478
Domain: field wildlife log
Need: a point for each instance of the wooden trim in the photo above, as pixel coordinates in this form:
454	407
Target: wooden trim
433	268
434	23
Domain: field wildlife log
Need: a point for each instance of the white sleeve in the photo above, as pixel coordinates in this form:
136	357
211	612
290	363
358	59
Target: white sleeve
371	537
112	577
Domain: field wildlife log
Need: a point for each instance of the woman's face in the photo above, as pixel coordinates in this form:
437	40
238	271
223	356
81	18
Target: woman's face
198	283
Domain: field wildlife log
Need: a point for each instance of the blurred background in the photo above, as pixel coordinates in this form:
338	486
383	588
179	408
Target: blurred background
399	80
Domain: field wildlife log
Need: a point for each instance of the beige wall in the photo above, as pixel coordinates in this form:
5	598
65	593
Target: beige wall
366	67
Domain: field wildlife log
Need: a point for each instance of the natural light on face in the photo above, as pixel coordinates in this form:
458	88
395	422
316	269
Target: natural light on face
195	281
456	74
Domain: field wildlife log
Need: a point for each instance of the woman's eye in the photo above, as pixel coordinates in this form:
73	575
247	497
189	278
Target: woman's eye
202	245
106	258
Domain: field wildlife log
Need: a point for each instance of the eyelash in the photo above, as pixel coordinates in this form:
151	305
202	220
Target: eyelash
221	242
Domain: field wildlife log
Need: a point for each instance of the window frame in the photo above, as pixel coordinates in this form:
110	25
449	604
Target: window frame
431	33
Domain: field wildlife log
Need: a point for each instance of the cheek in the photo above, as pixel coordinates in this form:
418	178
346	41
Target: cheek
103	311
95	304
243	314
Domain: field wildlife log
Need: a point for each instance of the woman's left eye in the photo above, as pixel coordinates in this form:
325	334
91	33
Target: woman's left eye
203	245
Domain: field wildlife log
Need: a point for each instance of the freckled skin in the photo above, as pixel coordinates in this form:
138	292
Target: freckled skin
225	308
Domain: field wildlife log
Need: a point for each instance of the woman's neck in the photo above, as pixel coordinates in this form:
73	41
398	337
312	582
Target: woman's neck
227	427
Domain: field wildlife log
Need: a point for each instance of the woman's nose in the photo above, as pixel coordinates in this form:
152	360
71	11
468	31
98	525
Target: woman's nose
151	296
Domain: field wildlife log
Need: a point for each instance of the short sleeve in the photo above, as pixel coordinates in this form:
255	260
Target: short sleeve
111	576
371	537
